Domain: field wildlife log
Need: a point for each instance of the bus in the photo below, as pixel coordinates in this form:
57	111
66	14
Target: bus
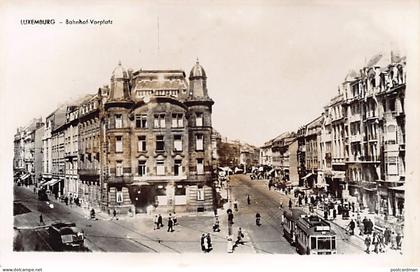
314	236
289	225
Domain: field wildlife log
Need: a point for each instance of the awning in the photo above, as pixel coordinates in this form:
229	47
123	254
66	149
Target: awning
370	189
25	176
140	183
398	188
307	176
51	182
339	175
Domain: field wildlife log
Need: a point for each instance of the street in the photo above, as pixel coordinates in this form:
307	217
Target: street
137	234
268	238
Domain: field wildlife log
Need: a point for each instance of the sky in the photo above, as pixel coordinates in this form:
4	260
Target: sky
271	65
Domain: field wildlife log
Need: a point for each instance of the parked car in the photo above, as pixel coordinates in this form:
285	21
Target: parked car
66	236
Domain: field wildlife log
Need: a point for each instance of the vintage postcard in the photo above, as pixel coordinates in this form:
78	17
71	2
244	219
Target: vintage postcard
209	134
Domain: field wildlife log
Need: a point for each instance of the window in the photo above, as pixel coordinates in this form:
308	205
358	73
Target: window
178	168
177	142
199	119
180	190
392	166
142	168
118	121
177	120
200	193
120	197
118	144
199	142
200	167
119	169
141	144
160	168
141	121
160	143
159	121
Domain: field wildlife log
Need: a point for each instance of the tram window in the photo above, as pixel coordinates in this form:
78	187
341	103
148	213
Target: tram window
333	242
324	243
313	242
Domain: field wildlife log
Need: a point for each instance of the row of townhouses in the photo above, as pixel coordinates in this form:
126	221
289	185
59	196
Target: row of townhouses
355	149
145	140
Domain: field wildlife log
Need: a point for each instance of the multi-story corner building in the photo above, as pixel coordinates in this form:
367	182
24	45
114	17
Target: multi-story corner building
314	175
285	158
376	167
156	135
53	151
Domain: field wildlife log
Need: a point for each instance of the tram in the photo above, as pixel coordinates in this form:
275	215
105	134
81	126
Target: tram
289	224
314	236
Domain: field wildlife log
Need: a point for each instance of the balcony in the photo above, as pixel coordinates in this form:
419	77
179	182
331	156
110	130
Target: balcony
355	138
89	172
391	147
354	118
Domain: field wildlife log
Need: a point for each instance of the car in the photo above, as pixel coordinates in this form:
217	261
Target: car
66	236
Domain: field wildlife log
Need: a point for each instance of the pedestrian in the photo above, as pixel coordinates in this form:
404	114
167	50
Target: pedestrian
239	237
380	242
170	225
34	190
367	243
352	225
230	217
203	241
365	225
235	205
175	219
92	213
334	214
248	200
306	200
66	200
352	207
290	203
387	236
325	214
209	244
393	240
216	225
398	240
258	219
375	242
160	221
370	226
41	220
156	222
114	213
